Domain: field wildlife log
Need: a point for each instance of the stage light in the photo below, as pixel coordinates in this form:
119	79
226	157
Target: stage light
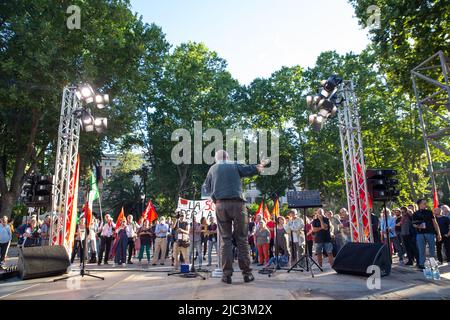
98	98
324	104
101	124
106	98
100	106
86	91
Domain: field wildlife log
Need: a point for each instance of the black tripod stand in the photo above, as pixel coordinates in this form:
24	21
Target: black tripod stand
305	199
83	271
307	258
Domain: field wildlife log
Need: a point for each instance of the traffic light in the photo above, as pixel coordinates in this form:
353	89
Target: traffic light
38	191
381	184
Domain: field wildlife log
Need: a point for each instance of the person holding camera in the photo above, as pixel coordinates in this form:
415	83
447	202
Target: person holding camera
223	184
322	237
427	228
181	245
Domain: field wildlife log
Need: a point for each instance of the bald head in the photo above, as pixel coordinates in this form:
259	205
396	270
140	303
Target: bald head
221	155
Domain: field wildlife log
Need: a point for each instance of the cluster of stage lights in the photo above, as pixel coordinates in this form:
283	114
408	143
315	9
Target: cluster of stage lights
324	104
86	94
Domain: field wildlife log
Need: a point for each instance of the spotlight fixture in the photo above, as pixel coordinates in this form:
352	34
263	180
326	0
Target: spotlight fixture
101	124
101	100
324	104
85	93
87	120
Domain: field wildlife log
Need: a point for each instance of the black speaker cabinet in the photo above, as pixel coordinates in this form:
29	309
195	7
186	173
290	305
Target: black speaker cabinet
46	261
354	258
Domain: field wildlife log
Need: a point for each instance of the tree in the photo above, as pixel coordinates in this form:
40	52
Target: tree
123	188
39	56
194	86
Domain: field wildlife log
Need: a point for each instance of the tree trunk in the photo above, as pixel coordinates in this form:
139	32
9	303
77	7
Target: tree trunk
7	203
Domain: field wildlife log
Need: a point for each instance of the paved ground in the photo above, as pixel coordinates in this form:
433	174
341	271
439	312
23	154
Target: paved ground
134	282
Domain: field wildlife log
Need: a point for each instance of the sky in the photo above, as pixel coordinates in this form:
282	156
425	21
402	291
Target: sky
258	37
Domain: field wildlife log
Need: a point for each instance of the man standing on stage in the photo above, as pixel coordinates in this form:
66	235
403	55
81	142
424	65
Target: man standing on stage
223	184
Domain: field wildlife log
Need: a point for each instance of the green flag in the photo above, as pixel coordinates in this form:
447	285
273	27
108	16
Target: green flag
94	194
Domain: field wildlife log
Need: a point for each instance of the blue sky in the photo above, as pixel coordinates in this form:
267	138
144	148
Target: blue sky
258	37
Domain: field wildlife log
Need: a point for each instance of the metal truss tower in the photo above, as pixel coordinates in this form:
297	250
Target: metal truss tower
432	90
66	166
354	165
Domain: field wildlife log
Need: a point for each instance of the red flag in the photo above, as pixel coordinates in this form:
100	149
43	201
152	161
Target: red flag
150	211
260	209
266	216
87	213
120	218
435	199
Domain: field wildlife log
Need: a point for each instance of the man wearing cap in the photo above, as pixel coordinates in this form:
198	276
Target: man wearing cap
223	184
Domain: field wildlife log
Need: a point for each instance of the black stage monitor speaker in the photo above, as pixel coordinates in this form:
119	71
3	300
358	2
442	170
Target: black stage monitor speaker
354	258
46	261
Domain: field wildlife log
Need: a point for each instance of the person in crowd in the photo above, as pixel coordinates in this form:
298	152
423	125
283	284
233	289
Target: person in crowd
5	239
251	238
120	244
204	235
153	226
131	230
92	240
427	228
344	235
161	230
271	225
262	237
375	222
181	245
212	238
45	231
295	229
335	224
445	210
398	229
195	237
309	236
444	224
145	238
408	234
172	238
32	234
282	238
80	235
20	231
322	236
106	230
389	230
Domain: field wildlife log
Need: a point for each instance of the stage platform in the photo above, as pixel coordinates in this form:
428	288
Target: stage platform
138	282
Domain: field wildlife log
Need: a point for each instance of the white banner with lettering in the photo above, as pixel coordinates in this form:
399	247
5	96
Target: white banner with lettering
199	208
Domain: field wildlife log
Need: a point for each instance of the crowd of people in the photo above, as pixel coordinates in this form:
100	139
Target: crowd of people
410	230
123	241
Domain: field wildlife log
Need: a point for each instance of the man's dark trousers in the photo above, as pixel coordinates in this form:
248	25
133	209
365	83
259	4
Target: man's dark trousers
233	220
105	247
